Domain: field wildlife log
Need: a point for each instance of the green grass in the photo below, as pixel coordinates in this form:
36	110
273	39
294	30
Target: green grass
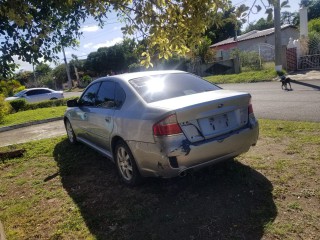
244	77
63	191
33	115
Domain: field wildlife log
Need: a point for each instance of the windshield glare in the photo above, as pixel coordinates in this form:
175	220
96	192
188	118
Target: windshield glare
166	86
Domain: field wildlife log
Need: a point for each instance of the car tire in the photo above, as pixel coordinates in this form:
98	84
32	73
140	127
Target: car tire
126	165
53	98
70	133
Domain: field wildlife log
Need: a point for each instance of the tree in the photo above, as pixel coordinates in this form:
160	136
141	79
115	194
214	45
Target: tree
42	69
116	58
23	77
34	29
291	18
314	36
59	76
203	52
229	24
261	24
313	8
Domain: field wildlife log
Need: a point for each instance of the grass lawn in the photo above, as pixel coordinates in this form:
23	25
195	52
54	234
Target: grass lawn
33	115
60	191
244	77
247	76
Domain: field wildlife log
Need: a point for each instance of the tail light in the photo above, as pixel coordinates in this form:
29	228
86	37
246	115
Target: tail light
167	126
251	116
250	109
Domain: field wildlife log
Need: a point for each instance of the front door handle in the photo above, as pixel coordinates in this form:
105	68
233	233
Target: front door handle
107	119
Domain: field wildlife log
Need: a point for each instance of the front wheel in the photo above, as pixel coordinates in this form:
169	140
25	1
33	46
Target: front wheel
126	165
71	136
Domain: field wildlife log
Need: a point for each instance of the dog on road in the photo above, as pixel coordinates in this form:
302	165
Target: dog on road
285	81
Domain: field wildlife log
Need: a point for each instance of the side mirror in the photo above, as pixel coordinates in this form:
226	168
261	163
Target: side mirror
72	103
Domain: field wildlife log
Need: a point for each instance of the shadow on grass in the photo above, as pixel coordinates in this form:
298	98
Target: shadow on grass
227	201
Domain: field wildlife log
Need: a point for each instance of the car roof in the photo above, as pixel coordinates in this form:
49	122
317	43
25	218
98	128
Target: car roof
128	76
36	89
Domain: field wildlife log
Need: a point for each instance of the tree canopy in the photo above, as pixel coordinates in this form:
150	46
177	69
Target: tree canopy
35	29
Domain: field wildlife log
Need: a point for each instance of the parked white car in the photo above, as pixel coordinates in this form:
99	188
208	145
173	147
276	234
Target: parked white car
32	95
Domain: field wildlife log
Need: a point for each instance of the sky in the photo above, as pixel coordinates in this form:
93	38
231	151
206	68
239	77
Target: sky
94	37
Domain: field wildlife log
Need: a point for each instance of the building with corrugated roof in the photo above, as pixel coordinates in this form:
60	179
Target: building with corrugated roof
262	41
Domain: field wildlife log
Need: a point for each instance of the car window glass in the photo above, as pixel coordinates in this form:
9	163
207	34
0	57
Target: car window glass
89	97
19	94
105	96
166	86
120	96
31	92
43	91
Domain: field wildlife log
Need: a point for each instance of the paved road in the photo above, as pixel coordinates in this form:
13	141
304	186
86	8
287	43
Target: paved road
269	101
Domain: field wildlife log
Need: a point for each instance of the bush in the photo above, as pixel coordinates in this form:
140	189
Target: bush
9	88
250	60
18	104
22	105
5	108
86	80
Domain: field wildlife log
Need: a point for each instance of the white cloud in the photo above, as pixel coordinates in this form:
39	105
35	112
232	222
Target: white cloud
108	43
25	66
90	28
88	45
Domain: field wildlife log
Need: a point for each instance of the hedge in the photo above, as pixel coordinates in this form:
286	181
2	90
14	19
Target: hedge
22	105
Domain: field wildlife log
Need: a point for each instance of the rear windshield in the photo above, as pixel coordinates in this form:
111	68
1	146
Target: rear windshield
160	87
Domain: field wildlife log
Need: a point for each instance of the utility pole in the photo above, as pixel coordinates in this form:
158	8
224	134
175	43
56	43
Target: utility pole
277	34
67	69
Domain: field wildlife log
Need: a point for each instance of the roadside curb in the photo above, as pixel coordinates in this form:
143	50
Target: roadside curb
8	128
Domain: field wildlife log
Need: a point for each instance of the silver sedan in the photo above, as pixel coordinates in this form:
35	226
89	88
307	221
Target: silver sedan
161	123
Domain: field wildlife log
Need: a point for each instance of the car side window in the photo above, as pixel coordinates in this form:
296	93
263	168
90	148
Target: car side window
120	96
105	98
44	91
31	92
90	95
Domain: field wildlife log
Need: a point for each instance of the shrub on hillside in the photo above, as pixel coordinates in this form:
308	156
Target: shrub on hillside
5	108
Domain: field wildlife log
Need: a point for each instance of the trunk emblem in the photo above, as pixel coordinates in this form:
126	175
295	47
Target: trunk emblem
220	105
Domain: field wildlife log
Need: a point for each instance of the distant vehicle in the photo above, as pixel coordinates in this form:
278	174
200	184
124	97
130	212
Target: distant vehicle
161	123
32	95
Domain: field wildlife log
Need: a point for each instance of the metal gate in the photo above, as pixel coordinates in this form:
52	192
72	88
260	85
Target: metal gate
309	62
312	59
291	59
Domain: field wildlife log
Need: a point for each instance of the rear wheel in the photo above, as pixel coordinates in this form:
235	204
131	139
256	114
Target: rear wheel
126	165
71	136
53	98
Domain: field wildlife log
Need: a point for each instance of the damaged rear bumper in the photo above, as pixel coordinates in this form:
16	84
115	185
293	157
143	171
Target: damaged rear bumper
171	156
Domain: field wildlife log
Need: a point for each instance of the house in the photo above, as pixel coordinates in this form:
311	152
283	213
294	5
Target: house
260	41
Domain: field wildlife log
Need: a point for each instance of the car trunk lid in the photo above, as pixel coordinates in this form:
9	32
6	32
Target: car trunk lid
210	114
